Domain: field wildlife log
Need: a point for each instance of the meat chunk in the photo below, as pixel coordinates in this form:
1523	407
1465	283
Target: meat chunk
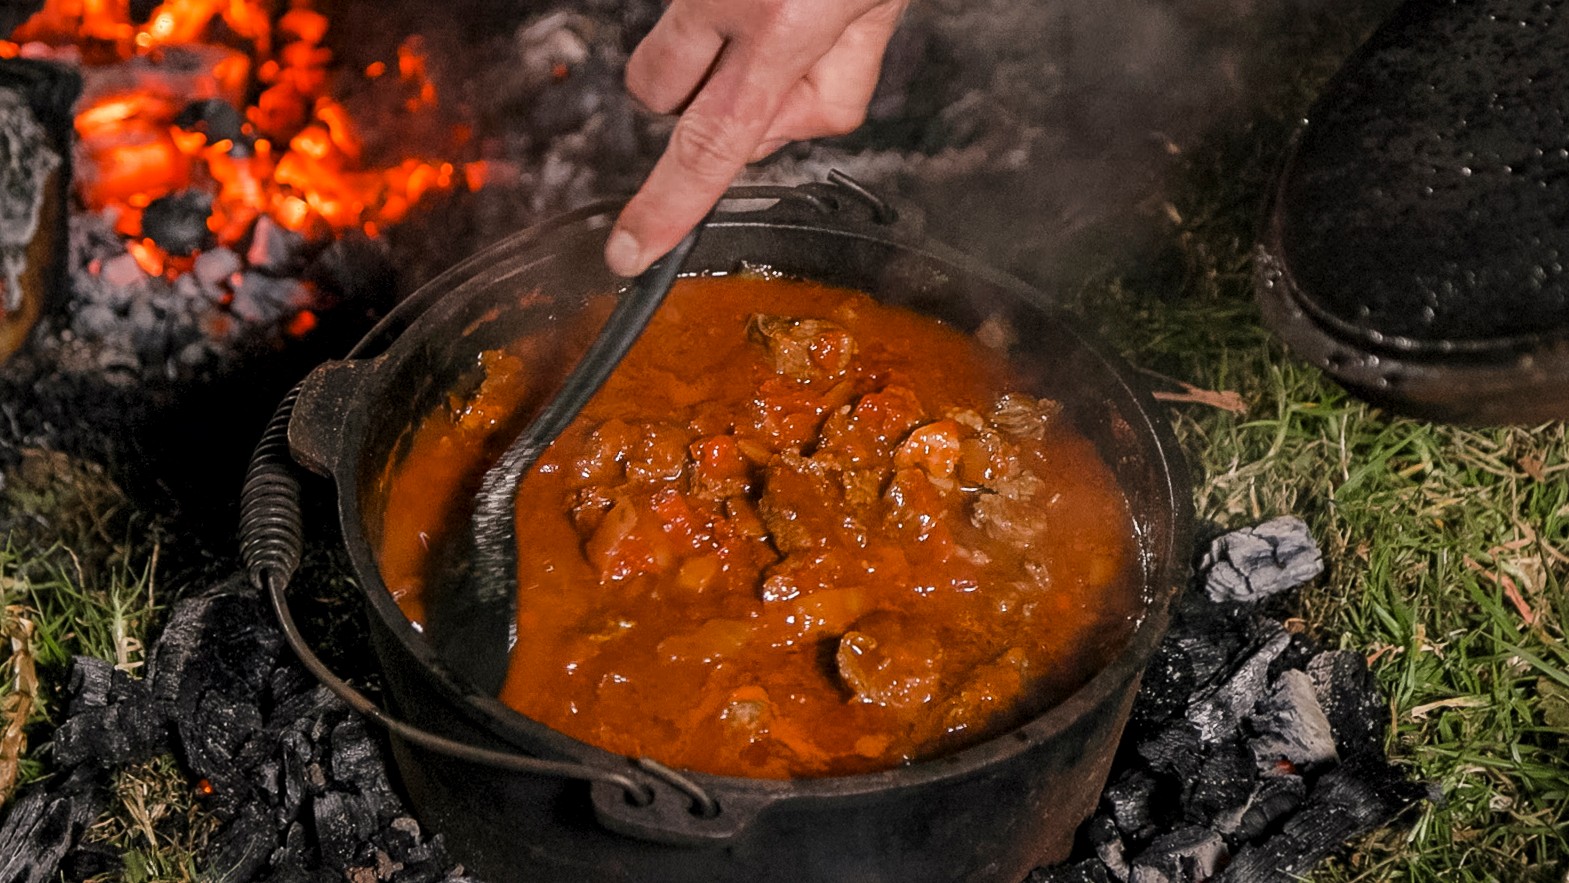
1023	416
885	659
805	349
1011	507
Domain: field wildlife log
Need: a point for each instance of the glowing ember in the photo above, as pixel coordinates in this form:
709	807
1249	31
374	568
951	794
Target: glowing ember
292	154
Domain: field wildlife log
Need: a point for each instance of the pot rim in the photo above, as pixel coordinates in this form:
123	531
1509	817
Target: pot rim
1165	569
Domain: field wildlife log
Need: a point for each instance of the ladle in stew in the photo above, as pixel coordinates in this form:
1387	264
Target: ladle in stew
492	576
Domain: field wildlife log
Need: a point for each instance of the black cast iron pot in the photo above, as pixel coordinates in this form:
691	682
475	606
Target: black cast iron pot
518	801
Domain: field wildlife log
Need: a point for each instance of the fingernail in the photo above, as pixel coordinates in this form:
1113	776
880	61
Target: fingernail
623	255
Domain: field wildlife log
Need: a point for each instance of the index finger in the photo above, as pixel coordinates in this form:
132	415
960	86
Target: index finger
709	146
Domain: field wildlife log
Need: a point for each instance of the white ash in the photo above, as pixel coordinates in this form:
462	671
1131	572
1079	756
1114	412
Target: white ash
1262	560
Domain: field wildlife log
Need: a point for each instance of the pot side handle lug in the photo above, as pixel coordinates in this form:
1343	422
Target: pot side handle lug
316	429
673	817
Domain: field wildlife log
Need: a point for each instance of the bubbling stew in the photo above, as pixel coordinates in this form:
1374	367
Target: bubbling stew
798	533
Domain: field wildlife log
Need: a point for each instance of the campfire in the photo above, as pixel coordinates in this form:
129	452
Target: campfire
240	184
212	165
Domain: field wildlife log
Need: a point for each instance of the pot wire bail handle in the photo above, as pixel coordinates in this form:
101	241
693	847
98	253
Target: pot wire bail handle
272	544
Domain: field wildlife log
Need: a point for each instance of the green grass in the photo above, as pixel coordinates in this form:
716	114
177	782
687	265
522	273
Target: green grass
78	576
1425	529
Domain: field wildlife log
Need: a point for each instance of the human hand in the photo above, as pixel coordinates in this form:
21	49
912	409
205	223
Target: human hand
748	77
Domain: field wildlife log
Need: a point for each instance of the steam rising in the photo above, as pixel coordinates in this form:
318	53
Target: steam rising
1039	136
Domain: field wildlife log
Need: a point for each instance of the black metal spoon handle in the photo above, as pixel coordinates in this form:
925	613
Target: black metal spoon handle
494	570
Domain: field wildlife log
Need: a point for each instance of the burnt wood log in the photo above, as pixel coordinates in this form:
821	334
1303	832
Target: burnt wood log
35	133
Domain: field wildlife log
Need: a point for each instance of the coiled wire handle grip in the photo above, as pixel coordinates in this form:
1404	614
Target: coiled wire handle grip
272	541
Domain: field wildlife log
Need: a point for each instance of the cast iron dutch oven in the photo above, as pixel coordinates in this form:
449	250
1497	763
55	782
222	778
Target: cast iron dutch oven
516	800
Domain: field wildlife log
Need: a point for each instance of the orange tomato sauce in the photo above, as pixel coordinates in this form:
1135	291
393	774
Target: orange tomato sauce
798	533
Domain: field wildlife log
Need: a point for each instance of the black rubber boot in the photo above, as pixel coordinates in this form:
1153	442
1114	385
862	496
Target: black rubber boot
1416	244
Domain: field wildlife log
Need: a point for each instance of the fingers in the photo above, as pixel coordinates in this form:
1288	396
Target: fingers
763	74
709	146
832	98
673	60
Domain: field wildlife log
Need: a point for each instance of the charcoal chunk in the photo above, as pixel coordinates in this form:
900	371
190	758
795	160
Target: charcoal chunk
343	821
1088	871
1186	855
90	682
1255	562
244	846
1102	834
178	222
210	676
357	764
1352	799
1128	799
43	824
110	718
1177	751
1221	712
14	12
1291	725
1274	797
1350	701
1218	795
92	861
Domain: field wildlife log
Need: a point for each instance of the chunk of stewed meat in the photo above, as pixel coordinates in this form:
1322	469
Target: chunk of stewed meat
887	659
1011	507
804	349
1024	416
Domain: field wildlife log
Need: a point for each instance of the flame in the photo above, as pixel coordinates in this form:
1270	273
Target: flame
297	155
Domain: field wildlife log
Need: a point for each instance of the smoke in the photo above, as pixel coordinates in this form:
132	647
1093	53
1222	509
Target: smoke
1042	136
1045	136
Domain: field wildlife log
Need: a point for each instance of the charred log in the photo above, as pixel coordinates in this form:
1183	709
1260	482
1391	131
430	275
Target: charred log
35	103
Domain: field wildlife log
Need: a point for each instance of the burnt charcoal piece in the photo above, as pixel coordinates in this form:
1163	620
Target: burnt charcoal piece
1101	833
44	823
210	672
343	822
1128	800
90	861
243	847
1347	802
1186	855
1221	712
1259	561
356	764
1218	796
355	268
1176	751
275	250
1290	725
1346	692
1275	796
111	718
14	12
178	222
